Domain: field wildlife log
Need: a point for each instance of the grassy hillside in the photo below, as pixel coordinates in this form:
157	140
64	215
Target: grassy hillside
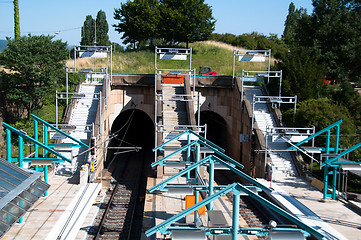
217	55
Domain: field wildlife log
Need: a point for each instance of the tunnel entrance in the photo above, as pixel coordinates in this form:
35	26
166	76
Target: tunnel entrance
129	156
216	128
132	128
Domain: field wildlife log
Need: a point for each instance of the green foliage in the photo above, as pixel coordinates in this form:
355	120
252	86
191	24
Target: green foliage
253	41
138	21
102	29
88	36
301	74
292	23
35	66
321	113
87	31
173	22
186	21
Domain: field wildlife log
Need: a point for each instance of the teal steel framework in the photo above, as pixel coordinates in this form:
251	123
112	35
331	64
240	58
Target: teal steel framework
215	192
47	147
330	164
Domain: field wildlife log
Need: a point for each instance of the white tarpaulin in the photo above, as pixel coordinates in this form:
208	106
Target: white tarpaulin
169	56
93	54
252	58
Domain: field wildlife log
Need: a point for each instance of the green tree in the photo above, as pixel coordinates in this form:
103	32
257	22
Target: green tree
186	20
292	23
321	113
102	29
34	66
87	31
16	19
301	74
138	21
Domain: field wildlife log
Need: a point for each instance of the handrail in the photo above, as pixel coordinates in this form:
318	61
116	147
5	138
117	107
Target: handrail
7	126
59	131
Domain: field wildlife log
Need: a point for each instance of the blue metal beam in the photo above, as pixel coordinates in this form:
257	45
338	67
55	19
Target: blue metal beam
242	174
189	132
280	211
329	161
238	188
160	161
177	175
7	126
222	155
59	131
316	134
184	213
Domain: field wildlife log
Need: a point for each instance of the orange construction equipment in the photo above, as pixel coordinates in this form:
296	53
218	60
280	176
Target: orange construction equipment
190	202
169	78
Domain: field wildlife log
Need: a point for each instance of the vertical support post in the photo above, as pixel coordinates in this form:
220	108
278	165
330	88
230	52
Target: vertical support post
253	103
111	64
75	50
325	183
36	137
235	216
211	182
100	114
234	62
21	151
269	64
280	90
266	152
313	144
194	81
155	103
8	145
188	154
198	154
106	87
56	109
294	109
334	183
45	139
199	112
242	80
67	86
196	197
337	138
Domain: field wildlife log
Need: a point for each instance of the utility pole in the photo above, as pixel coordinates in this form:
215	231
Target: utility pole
16	19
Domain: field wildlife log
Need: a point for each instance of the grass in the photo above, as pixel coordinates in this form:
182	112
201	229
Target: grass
217	55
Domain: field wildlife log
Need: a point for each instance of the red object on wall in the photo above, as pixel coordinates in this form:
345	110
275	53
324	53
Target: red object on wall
173	78
210	73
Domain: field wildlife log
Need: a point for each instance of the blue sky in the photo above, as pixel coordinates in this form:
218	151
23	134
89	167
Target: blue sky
66	17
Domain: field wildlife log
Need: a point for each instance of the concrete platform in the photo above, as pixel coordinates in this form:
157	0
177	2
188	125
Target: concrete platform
333	218
48	216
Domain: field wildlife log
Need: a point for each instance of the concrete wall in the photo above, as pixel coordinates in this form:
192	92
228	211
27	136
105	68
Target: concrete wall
119	99
219	95
226	103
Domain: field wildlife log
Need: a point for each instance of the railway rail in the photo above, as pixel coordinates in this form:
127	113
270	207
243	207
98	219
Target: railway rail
119	216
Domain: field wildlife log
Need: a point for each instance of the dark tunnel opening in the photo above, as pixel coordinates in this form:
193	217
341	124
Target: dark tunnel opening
216	128
130	166
130	130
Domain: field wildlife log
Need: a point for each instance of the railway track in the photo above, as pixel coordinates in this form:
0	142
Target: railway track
120	217
254	214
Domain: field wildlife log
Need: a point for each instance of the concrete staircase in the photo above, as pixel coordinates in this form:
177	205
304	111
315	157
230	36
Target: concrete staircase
281	161
82	116
174	114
